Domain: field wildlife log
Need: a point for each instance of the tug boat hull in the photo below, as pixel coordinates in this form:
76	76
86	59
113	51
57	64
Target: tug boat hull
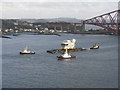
27	53
94	47
60	57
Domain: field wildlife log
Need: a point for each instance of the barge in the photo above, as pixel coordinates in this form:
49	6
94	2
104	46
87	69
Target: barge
62	50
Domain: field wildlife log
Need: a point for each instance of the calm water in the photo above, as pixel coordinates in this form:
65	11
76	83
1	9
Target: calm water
92	68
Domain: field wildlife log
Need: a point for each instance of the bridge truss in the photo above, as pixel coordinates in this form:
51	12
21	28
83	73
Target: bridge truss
109	21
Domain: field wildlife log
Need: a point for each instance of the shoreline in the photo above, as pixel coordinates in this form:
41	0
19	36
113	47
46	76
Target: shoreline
59	34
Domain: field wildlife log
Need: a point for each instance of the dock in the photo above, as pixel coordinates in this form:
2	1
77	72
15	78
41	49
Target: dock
62	50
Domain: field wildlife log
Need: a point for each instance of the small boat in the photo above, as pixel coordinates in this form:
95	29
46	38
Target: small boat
15	34
26	51
58	34
3	36
66	56
94	46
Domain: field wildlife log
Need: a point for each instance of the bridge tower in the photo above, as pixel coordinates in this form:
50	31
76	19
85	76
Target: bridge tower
79	27
82	25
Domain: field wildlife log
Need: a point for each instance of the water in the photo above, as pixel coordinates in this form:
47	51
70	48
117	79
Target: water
91	69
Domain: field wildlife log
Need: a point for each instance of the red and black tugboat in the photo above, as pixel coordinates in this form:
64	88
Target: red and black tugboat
65	56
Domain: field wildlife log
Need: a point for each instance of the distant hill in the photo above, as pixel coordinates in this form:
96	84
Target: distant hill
8	23
61	19
0	23
34	20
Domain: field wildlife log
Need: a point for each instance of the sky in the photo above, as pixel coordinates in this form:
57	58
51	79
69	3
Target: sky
41	9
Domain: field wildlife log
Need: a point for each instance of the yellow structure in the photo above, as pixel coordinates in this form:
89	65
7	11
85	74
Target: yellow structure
68	44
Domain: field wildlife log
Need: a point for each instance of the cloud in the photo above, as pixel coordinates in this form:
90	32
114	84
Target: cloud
80	10
0	10
59	0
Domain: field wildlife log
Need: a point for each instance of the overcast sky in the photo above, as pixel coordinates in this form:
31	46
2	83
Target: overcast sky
38	9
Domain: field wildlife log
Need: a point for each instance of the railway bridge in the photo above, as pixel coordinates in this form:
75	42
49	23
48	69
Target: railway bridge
109	21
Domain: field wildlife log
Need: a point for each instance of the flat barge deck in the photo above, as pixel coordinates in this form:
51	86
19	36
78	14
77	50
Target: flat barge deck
62	50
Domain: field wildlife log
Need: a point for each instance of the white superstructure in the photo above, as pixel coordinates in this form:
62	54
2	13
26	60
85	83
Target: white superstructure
68	44
66	55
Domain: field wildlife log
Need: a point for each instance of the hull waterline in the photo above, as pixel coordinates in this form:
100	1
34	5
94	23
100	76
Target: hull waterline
27	53
60	58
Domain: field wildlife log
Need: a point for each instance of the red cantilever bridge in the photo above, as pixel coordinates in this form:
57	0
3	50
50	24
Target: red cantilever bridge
109	21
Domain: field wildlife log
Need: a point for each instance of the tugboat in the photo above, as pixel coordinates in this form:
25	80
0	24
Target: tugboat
94	46
66	56
26	51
